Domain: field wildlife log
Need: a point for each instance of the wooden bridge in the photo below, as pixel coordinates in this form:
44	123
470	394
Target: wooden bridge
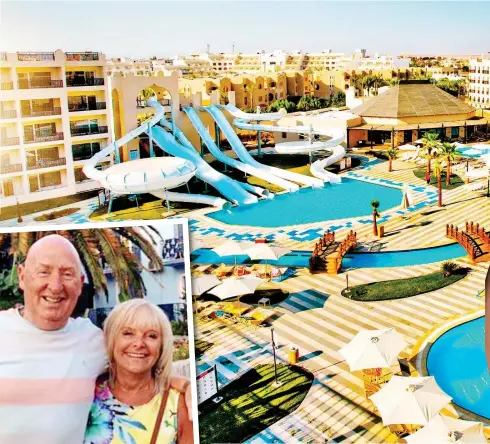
474	239
328	253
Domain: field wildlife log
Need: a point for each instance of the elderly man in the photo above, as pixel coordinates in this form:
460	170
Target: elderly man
48	361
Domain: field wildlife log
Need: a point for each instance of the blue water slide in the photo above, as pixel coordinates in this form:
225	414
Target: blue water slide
221	157
185	142
226	186
245	157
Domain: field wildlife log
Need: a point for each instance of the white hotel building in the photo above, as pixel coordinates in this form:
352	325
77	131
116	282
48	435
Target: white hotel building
479	89
54	115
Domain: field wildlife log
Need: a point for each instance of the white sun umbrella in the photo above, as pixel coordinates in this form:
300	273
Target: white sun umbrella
236	286
407	199
201	284
232	248
373	349
410	400
267	252
444	430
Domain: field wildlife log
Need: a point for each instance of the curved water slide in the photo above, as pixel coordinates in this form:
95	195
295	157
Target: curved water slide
318	168
225	185
154	175
245	157
221	157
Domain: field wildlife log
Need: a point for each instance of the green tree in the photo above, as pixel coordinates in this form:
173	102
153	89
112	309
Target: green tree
449	153
391	153
431	144
338	99
275	106
438	173
375	206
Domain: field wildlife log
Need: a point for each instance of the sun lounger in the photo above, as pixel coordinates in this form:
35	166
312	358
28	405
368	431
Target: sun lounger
223	270
283	274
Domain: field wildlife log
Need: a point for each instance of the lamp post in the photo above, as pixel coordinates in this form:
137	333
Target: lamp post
347	280
276	382
19	217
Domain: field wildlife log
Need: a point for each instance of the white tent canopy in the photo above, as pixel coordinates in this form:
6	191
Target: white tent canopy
444	430
266	251
373	349
236	286
410	400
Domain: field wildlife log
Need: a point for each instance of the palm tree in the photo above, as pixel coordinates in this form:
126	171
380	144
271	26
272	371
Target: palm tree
357	80
431	145
449	268
375	206
438	172
448	152
97	247
378	82
392	153
368	82
250	89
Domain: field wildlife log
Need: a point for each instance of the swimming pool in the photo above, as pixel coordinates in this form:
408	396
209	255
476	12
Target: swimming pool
468	384
473	152
351	198
355	260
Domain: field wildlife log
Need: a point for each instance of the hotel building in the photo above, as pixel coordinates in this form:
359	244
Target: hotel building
479	89
54	115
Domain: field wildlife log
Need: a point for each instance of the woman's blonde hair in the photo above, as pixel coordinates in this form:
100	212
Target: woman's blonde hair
141	313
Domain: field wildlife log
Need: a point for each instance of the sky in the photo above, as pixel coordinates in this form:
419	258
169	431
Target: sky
168	28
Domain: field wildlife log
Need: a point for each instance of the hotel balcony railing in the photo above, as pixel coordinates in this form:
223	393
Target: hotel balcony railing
34	84
84	153
35	56
86	130
55	111
72	107
11	168
82	56
485	72
141	103
10	141
46	138
46	163
84	82
7	85
8	114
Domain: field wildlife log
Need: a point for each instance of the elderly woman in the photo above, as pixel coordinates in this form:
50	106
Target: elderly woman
134	403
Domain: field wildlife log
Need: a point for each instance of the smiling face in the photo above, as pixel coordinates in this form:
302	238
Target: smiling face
52	280
137	347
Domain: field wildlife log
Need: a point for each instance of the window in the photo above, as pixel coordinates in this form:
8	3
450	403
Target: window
7	188
79	176
284	135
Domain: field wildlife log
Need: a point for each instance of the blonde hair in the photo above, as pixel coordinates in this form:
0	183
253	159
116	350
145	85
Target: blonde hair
139	312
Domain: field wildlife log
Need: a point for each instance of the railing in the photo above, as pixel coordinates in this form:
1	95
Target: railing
84	82
476	230
11	168
54	111
84	151
35	56
34	84
82	56
46	163
4	86
330	259
46	138
9	141
86	130
466	241
73	107
8	114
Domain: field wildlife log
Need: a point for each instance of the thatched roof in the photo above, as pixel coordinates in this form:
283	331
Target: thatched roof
412	100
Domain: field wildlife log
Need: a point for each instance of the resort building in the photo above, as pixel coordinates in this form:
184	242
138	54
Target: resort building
479	90
53	117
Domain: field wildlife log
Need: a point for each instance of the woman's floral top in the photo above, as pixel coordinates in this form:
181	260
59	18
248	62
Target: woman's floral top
112	422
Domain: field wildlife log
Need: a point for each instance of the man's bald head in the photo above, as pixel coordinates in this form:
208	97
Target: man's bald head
52	280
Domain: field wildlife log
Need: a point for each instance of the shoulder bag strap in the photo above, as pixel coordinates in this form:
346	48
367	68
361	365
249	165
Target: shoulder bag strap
182	394
158	422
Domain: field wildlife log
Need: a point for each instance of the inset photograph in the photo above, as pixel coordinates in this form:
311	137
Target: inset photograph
94	335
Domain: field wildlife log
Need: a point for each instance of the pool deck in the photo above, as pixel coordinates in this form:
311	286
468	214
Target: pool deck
319	321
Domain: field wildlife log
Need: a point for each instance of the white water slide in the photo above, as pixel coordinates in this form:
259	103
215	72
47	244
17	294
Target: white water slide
153	175
246	158
336	137
242	166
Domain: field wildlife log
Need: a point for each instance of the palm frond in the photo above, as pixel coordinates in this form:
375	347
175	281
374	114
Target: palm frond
141	242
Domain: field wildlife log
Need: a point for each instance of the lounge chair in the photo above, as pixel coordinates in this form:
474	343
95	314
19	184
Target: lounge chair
283	274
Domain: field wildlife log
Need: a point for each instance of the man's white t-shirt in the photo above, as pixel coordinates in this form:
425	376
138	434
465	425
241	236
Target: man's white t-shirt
47	380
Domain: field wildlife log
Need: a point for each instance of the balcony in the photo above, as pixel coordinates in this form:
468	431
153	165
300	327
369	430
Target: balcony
84	82
35	56
81	56
74	107
35	84
84	151
11	168
87	130
4	86
54	111
8	114
45	163
10	141
45	138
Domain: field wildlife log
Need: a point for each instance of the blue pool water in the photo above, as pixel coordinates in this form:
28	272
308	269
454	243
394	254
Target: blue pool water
351	198
356	260
473	152
457	361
